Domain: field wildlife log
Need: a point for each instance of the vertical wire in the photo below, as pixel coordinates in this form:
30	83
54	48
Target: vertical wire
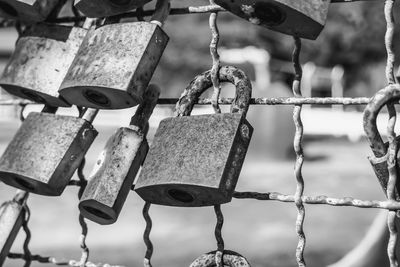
84	228
218	236
216	60
146	235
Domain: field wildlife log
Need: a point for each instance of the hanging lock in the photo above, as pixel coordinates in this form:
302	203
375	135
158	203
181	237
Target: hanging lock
106	8
41	59
12	215
27	10
302	18
390	94
46	151
196	160
116	63
118	164
230	259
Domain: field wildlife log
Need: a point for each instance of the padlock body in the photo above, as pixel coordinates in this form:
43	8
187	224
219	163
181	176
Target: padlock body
11	218
114	65
381	171
41	59
304	19
113	176
106	8
45	152
195	161
27	10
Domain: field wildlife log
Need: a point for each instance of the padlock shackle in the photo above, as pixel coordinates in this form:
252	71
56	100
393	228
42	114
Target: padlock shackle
387	95
202	82
49	109
230	258
90	114
145	109
161	12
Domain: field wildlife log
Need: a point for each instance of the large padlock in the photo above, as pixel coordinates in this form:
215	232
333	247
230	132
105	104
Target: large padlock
117	166
302	18
12	215
196	160
229	259
390	94
106	8
41	59
27	10
116	63
45	152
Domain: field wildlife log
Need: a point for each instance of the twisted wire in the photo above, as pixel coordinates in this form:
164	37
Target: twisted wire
219	255
82	222
215	58
146	235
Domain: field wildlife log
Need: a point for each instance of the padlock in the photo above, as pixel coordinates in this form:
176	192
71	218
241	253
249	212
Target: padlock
196	160
230	258
390	94
46	151
12	214
106	8
27	10
41	59
301	18
116	63
117	166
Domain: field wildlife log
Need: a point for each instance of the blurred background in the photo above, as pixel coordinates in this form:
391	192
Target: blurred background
348	59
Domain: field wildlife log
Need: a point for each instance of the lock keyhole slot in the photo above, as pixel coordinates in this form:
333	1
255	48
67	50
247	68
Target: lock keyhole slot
97	212
8	9
24	184
33	96
269	14
180	195
97	98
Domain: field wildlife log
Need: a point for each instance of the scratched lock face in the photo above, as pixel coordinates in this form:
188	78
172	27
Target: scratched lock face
106	8
27	11
304	19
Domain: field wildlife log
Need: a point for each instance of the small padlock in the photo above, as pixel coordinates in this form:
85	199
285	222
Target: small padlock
117	166
106	8
302	18
46	151
196	160
230	259
12	214
116	63
27	10
41	59
390	94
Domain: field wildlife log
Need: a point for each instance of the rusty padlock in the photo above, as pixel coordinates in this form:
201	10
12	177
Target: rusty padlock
390	94
46	151
28	10
196	160
116	63
41	59
12	214
117	166
230	259
302	18
106	8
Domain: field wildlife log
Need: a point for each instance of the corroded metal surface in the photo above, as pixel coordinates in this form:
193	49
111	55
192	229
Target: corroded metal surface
196	160
27	10
41	59
114	65
45	152
105	8
304	19
230	259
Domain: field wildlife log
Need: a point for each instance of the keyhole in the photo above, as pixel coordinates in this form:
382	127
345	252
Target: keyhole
97	213
33	96
269	14
180	195
8	9
97	98
120	2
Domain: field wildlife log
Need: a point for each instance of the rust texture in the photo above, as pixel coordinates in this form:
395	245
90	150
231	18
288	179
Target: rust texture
304	19
196	160
114	65
117	166
27	10
45	152
106	8
230	259
41	59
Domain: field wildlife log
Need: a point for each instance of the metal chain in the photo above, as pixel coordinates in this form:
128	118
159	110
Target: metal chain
146	235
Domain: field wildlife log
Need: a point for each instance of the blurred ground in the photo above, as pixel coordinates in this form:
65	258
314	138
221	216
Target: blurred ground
262	231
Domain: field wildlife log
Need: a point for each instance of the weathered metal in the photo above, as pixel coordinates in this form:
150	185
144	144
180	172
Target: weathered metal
27	10
230	259
106	8
117	166
41	59
196	160
387	95
304	19
46	151
116	63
